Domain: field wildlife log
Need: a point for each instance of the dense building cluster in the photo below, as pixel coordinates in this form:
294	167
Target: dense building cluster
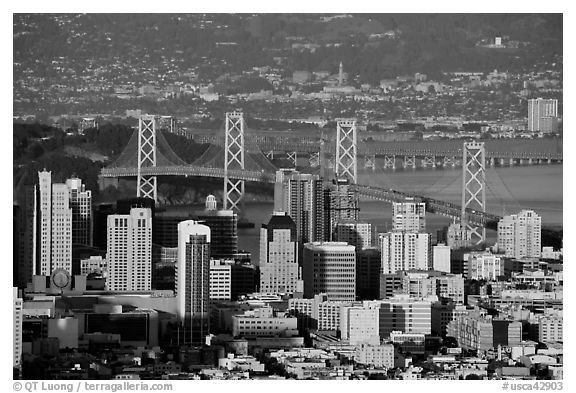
131	290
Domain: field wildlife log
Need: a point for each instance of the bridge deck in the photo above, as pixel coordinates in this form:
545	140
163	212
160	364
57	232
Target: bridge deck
387	195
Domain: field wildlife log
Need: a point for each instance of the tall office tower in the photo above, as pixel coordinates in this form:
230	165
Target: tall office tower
17	328
355	233
27	236
441	258
100	228
278	255
223	226
81	204
281	195
220	280
540	111
301	196
44	232
330	267
519	235
193	281
404	251
458	236
61	229
130	251
340	203
409	216
368	267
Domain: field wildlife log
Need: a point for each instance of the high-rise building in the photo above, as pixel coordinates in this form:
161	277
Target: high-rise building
340	204
220	280
458	236
404	251
539	111
81	205
17	328
61	237
330	267
355	233
301	196
409	216
279	255
193	281
484	266
44	232
441	258
519	235
223	228
368	267
27	236
130	251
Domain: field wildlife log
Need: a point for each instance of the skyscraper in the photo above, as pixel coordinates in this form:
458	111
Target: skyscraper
519	235
45	223
301	196
61	219
81	204
17	327
27	234
130	251
409	216
404	251
278	255
330	268
340	204
356	233
540	112
193	281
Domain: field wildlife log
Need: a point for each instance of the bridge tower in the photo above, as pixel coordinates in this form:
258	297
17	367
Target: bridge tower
233	160
346	150
474	186
146	156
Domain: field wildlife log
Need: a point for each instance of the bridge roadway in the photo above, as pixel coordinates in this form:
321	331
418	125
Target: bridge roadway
497	149
382	194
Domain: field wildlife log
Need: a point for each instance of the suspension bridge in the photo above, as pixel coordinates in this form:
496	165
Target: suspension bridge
148	156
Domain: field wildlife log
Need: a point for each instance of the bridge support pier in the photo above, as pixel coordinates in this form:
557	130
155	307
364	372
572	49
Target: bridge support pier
511	162
429	161
389	162
492	162
370	162
292	157
233	160
410	161
449	161
314	160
